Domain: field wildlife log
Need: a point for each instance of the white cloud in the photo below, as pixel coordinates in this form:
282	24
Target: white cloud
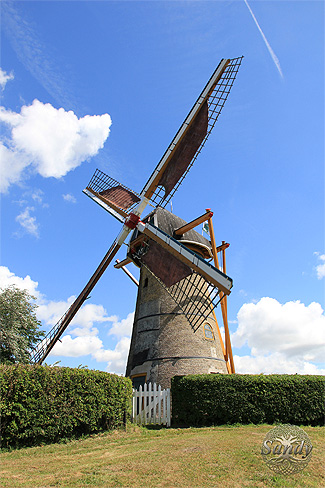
80	346
37	196
28	222
116	359
4	78
122	328
91	345
11	169
69	198
90	313
84	332
320	268
82	324
83	337
282	338
26	219
274	363
50	311
286	338
49	140
86	340
7	278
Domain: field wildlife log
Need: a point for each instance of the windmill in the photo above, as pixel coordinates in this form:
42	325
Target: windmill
175	329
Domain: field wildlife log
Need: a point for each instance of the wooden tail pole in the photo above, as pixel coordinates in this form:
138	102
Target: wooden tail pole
222	344
226	308
228	351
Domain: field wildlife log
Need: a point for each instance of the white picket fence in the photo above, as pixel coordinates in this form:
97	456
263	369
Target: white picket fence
151	405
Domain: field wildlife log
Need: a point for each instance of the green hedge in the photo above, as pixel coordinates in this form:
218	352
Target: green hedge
41	404
227	399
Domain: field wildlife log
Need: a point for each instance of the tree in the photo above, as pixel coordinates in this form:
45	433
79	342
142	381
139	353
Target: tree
19	326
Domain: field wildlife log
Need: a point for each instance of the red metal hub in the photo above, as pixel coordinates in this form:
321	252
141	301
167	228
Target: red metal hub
132	220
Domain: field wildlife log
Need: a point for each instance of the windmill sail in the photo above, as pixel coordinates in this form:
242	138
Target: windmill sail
111	195
168	268
192	135
216	277
192	282
179	156
194	295
187	274
185	151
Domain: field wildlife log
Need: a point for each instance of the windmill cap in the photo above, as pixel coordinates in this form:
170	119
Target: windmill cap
169	222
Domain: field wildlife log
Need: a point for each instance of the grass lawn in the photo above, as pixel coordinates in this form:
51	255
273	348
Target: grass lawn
225	456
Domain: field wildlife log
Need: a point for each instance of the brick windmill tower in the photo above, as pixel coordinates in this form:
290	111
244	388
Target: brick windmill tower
175	329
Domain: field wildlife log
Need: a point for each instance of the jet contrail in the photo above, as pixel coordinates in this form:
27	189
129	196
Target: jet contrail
273	56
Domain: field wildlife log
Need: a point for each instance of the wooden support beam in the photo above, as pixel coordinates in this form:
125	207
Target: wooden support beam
126	271
194	223
213	245
228	352
137	241
225	298
223	246
221	342
119	264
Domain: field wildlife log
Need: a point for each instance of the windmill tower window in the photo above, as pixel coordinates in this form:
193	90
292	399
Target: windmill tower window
138	380
208	332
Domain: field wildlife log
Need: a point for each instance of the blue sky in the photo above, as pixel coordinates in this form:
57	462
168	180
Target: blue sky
107	84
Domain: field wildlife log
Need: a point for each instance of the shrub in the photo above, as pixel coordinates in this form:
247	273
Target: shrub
228	399
41	404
